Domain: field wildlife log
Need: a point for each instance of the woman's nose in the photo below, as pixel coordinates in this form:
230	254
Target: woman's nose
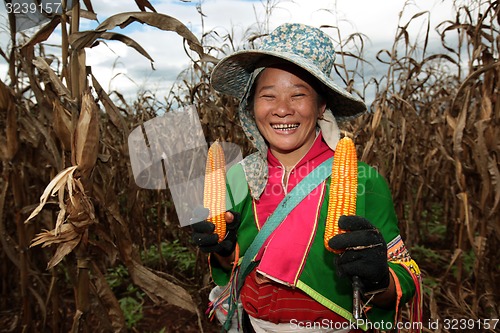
283	108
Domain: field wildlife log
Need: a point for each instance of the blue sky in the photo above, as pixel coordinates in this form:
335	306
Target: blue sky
122	68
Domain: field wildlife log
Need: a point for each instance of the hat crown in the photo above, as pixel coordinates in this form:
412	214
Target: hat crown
303	41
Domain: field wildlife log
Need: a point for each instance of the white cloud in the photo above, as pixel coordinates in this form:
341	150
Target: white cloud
376	19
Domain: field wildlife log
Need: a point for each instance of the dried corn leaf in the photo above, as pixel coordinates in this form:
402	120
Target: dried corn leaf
160	21
156	287
481	155
471	79
86	139
108	299
110	201
78	72
62	211
48	238
80	40
433	307
8	106
88	5
88	38
54	186
84	14
458	130
111	109
62	250
495	181
458	252
143	4
45	69
77	318
66	236
80	211
103	241
43	34
376	119
470	224
62	124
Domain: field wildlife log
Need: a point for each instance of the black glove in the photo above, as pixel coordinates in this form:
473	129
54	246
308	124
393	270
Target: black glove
364	253
204	237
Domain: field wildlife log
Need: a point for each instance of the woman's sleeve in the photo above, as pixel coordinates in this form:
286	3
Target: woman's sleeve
237	196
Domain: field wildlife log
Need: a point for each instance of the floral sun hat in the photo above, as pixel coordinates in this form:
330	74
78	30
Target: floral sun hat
305	46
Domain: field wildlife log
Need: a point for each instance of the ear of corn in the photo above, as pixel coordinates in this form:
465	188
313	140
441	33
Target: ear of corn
343	188
214	196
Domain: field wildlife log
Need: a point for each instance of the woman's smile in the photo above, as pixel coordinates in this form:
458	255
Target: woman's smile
285	128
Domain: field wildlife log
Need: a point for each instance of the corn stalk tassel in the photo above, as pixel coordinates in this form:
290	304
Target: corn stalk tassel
343	188
214	196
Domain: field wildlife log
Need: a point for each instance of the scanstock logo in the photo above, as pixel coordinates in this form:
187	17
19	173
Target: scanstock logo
170	152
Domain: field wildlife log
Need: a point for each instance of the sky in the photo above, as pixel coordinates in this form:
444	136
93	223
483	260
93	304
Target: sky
120	67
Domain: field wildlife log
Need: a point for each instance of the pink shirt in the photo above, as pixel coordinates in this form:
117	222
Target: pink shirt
283	255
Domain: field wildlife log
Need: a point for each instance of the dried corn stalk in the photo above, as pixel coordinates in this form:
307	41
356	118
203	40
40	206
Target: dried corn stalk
76	212
343	187
9	146
214	196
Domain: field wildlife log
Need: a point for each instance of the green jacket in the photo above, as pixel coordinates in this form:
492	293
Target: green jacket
319	278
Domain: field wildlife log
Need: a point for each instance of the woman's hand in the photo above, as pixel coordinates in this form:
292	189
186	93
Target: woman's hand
205	238
364	254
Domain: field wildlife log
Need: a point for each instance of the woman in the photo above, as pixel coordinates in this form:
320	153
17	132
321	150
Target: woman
287	281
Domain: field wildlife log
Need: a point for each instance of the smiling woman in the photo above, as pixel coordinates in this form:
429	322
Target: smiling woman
278	269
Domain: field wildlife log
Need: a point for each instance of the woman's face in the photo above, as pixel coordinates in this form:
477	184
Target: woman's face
286	109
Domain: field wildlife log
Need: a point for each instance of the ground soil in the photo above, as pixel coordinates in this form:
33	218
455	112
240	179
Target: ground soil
171	319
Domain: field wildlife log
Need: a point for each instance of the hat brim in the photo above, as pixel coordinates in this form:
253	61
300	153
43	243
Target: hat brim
230	76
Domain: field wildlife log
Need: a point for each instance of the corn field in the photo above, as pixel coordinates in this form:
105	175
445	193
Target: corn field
83	248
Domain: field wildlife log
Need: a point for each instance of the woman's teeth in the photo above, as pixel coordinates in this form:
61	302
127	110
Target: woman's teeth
285	127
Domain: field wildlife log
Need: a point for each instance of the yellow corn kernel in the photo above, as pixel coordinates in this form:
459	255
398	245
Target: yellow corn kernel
343	188
214	196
